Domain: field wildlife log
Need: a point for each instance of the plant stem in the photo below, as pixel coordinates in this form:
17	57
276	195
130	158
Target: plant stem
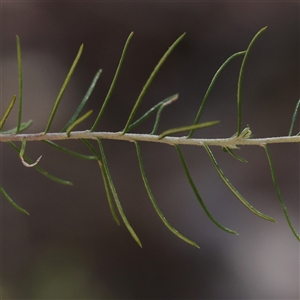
131	137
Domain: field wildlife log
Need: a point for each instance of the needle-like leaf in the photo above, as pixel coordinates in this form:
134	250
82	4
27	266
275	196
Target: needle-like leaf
154	203
294	117
23	126
201	108
278	193
186	128
108	192
78	121
42	171
240	79
83	101
11	201
151	111
79	155
233	189
198	195
90	146
171	100
148	83
112	86
7	111
20	84
228	150
114	192
63	88
105	180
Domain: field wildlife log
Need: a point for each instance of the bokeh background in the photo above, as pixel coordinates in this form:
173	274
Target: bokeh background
70	247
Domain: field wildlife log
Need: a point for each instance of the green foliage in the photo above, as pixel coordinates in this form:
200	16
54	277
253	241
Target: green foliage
187	173
154	203
149	81
67	132
63	88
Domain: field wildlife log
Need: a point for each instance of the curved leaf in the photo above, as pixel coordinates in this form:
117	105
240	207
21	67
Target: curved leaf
198	195
42	171
201	108
14	204
154	203
87	157
239	89
228	150
105	180
151	111
233	189
114	192
108	192
148	83
279	195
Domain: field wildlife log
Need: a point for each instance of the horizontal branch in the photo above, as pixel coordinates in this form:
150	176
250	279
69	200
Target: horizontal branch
131	137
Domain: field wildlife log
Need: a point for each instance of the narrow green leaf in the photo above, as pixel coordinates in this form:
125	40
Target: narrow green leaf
160	111
79	155
239	88
83	101
90	146
105	180
23	126
20	83
112	86
78	121
294	118
198	195
154	203
201	108
228	150
7	111
108	193
151	111
63	88
114	192
233	189
278	193
42	171
186	128
149	81
14	204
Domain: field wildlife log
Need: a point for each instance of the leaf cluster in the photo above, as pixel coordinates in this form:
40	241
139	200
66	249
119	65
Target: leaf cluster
98	153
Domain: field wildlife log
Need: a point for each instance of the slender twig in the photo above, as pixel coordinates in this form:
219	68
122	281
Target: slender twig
131	137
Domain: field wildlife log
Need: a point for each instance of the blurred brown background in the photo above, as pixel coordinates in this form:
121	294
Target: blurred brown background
70	247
